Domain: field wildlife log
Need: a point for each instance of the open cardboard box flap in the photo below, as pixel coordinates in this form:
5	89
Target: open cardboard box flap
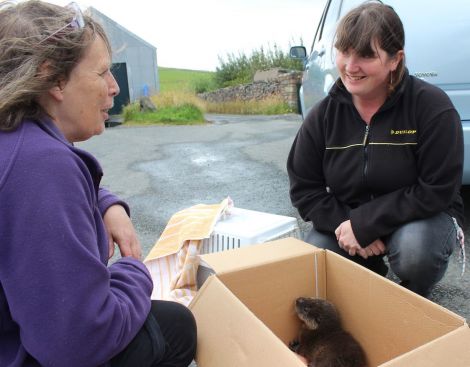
387	319
230	335
245	313
452	349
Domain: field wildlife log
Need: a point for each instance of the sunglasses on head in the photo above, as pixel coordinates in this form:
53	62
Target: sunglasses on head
77	22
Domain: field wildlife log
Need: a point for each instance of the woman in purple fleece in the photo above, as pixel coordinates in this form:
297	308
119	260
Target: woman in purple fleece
60	304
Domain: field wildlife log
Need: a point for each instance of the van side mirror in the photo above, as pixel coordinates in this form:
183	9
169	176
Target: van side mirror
298	53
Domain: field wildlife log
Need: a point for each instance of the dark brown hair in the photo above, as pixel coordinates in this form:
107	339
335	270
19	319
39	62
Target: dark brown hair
28	41
372	22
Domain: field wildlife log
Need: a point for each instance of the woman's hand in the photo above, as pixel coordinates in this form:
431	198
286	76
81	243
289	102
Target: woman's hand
121	231
348	242
375	248
346	238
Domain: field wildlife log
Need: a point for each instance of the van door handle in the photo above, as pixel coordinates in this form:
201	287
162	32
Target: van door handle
317	54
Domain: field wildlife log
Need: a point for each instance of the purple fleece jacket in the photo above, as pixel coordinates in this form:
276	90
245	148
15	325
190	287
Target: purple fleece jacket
60	304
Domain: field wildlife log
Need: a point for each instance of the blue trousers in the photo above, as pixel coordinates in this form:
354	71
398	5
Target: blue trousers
167	339
418	252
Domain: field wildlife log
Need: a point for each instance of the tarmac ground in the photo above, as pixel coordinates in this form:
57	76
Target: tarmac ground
159	170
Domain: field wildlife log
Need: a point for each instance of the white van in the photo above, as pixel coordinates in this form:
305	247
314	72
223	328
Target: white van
437	49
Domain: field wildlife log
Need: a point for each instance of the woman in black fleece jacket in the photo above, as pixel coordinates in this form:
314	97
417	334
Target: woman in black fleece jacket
377	165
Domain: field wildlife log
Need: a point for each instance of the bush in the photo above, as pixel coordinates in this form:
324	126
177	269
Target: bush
240	69
131	110
203	85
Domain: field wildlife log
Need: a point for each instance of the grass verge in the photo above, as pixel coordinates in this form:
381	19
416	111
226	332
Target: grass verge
267	106
186	114
178	104
182	108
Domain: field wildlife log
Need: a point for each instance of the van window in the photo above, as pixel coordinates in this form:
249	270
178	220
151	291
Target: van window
329	22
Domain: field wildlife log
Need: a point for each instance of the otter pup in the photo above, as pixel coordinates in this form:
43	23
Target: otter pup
322	341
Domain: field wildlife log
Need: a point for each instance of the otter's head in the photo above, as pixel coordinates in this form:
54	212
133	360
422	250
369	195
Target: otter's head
317	313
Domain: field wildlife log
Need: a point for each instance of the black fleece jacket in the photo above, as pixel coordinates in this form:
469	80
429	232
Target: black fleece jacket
405	165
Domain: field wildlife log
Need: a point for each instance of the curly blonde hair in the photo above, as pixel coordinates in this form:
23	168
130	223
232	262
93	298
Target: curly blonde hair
28	41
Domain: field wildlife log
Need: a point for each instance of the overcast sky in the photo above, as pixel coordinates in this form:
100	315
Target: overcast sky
191	34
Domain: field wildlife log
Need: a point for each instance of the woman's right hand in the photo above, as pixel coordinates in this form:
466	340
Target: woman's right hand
346	238
122	232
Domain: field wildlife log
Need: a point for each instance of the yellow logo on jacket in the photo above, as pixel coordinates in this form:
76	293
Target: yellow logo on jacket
402	132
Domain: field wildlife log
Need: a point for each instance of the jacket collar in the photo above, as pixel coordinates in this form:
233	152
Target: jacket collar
48	126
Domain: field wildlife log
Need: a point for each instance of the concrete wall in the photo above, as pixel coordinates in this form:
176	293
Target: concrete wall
272	83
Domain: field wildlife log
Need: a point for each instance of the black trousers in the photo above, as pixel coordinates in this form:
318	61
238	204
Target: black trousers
167	339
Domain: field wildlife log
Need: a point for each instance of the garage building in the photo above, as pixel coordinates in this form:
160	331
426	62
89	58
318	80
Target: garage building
134	62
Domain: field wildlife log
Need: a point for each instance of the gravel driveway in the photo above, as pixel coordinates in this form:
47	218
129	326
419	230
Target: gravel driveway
160	170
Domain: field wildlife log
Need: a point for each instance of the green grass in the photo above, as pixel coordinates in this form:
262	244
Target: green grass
181	80
184	114
267	106
178	104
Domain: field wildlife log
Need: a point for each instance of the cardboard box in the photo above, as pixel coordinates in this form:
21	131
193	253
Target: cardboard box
245	311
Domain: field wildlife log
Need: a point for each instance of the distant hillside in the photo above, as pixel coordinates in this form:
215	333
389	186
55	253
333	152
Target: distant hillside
181	79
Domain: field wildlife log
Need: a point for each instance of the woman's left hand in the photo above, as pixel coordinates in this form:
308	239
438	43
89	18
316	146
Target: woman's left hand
376	248
346	238
121	231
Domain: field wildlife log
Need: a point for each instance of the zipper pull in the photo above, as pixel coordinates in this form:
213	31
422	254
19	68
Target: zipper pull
366	135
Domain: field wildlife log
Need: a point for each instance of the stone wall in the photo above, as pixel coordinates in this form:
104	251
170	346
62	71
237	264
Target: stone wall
270	83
